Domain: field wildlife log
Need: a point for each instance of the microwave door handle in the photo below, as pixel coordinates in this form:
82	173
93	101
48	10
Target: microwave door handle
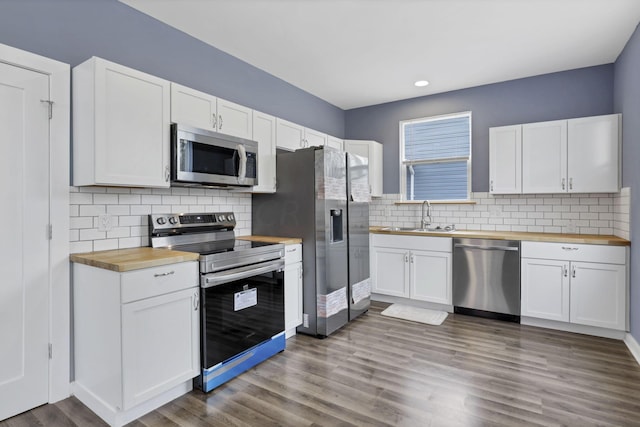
242	170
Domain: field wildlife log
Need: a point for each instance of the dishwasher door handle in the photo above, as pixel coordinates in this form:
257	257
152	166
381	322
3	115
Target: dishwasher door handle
488	248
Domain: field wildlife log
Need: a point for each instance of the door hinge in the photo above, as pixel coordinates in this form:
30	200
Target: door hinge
50	231
50	351
50	105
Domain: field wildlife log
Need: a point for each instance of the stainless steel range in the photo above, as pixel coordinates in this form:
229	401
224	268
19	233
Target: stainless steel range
241	289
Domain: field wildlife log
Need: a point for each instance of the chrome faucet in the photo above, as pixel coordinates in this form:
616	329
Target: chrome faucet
425	223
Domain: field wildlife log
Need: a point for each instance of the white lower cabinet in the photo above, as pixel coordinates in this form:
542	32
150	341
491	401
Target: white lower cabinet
136	338
412	267
579	284
292	288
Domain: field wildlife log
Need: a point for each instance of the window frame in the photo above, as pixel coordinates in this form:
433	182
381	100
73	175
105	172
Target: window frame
406	163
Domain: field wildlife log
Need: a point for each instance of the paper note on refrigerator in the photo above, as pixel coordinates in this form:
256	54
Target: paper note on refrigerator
361	290
332	303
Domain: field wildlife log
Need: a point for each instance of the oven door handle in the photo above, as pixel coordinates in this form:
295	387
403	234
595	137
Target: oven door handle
215	279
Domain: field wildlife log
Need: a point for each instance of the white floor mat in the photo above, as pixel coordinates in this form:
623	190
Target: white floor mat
415	314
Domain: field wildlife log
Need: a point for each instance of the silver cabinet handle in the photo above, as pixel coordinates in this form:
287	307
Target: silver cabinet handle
164	274
563	183
406	257
215	279
491	185
570	183
214	121
220	122
196	300
565	270
166	174
573	271
411	258
568	248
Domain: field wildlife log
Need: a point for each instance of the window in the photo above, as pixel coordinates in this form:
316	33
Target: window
435	156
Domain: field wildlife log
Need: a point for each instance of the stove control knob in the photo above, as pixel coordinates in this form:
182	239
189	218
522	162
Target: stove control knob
161	220
173	220
222	218
230	217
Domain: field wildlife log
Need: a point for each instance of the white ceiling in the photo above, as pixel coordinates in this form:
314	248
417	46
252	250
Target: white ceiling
354	53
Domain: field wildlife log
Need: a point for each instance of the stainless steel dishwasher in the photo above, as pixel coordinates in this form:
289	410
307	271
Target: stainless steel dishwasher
486	278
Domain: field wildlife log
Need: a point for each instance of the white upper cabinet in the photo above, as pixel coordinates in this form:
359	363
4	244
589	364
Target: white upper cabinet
563	156
289	136
544	157
313	138
505	159
120	126
199	109
372	150
594	154
264	131
335	142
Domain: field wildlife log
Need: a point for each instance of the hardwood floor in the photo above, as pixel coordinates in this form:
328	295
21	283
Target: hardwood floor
379	371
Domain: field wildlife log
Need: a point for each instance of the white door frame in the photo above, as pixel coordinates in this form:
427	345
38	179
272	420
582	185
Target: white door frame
59	286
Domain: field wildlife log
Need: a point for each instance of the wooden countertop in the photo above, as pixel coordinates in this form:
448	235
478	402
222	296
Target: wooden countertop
592	239
132	259
271	239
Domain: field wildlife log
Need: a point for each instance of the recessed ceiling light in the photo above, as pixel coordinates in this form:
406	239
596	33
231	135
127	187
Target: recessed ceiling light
421	83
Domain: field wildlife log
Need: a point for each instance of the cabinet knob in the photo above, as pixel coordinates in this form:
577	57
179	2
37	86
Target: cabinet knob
573	272
214	121
196	301
220	122
166	174
570	183
406	257
491	185
563	183
565	270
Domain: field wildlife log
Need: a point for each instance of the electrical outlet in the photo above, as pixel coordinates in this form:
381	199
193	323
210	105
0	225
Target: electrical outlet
105	222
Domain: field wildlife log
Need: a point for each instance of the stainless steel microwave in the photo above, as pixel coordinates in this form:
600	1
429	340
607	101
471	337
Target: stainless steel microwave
202	157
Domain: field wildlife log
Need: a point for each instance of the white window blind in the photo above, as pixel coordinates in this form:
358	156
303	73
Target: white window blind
436	157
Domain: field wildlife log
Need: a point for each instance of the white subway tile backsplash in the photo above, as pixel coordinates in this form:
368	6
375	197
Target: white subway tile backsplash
550	213
130	208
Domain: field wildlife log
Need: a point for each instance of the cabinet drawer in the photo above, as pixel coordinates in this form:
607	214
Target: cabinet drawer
149	282
292	253
574	252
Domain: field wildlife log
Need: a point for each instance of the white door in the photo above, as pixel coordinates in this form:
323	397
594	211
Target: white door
289	136
431	276
192	107
390	272
264	131
292	296
235	119
598	294
313	138
505	160
545	289
544	157
594	154
334	142
24	289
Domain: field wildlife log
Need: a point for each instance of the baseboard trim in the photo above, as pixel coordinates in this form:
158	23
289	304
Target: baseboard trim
573	327
633	346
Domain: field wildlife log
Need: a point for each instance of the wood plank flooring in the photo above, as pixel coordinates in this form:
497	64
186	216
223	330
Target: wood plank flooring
379	371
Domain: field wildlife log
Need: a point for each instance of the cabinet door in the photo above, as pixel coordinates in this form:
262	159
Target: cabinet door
313	138
545	289
160	344
430	276
131	123
544	157
598	295
390	271
372	150
505	160
264	131
292	296
335	142
594	154
192	107
234	119
289	136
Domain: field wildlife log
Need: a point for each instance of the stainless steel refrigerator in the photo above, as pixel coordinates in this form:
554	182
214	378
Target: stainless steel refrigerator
322	196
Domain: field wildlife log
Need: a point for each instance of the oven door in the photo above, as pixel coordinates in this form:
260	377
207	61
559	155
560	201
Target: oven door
201	156
241	308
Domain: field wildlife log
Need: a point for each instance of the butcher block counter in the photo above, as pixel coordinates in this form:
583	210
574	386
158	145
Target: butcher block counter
271	239
591	239
122	260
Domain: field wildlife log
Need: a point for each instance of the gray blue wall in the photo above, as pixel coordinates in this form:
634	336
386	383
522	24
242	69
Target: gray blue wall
627	102
576	93
72	31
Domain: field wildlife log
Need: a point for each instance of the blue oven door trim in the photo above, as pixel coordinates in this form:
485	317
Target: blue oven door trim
230	368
